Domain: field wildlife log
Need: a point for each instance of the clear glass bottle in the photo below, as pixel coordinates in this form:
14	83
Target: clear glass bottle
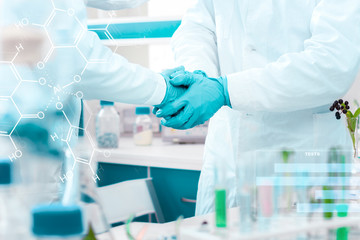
107	126
14	219
143	127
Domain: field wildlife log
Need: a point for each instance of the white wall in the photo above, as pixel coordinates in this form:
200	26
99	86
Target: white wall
168	8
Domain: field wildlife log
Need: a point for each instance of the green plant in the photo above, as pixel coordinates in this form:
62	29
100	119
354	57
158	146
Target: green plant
340	107
90	235
286	155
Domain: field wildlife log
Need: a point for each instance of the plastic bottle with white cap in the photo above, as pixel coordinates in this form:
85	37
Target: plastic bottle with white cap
107	126
143	127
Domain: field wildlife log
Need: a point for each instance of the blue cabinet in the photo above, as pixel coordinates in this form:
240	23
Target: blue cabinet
110	173
172	186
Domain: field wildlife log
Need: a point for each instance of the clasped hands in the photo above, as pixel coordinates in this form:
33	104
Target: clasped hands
191	98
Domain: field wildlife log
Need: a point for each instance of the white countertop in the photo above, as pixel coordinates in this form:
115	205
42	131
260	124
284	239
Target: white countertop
282	227
152	231
159	154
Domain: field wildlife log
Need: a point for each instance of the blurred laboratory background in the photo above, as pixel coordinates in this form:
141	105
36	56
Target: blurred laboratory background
129	177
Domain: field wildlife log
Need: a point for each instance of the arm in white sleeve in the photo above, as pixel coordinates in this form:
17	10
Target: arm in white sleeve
116	79
194	42
321	73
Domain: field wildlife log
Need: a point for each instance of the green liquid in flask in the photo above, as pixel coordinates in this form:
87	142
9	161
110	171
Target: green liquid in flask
220	208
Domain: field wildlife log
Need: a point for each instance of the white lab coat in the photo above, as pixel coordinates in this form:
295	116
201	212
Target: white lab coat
104	76
116	79
286	62
110	76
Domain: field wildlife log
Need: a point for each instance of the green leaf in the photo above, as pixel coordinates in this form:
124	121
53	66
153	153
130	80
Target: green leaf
349	114
353	140
353	124
90	235
357	113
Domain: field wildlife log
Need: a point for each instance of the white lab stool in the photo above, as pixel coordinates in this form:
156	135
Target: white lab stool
130	198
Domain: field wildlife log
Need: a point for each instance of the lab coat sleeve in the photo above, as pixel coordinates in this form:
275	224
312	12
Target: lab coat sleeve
194	42
111	77
318	75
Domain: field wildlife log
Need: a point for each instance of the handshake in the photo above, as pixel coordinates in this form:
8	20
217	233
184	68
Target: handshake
191	98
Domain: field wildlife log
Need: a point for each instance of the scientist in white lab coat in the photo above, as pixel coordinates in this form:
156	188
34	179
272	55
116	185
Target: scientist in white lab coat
115	79
107	76
282	64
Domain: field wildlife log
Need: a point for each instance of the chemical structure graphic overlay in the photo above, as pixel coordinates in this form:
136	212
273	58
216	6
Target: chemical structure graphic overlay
55	73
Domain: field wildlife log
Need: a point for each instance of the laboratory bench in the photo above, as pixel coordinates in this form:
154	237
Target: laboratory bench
174	169
286	227
155	230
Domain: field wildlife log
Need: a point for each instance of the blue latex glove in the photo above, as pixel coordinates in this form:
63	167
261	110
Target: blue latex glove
204	97
172	92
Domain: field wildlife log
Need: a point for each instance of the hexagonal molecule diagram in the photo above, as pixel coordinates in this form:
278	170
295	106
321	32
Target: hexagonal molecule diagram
52	74
10	116
8	122
9	80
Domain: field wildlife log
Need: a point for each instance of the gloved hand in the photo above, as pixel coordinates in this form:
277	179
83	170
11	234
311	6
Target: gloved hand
172	92
203	98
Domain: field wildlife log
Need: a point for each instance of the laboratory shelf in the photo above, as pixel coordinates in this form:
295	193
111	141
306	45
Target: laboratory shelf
159	154
136	42
134	31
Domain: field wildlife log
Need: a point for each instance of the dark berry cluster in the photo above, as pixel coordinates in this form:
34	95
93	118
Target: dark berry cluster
341	107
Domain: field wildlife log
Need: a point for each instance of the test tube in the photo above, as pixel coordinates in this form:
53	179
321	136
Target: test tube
288	191
332	159
220	207
246	194
267	189
342	207
220	195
